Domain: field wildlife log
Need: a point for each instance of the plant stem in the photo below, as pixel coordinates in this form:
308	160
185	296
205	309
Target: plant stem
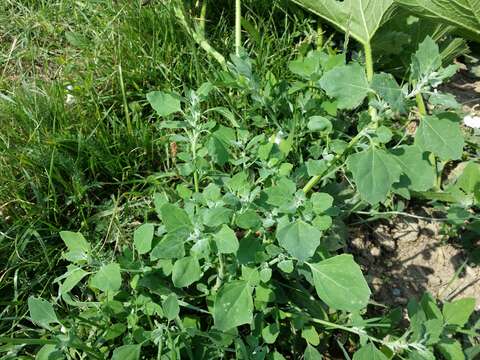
238	26
125	104
368	61
315	179
203	15
319	36
421	104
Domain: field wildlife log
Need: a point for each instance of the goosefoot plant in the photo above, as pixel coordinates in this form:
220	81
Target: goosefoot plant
240	259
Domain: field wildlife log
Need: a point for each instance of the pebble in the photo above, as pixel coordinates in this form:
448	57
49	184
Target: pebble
396	292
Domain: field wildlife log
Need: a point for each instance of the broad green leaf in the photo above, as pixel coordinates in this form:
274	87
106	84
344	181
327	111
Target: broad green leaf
233	305
164	103
170	307
369	352
270	333
108	278
310	335
339	282
450	349
469	180
426	60
175	219
388	89
305	67
186	271
311	353
418	172
459	311
217	216
170	247
299	239
78	247
73	278
321	202
320	123
358	18
249	220
463	14
142	238
348	84
374	171
41	312
226	240
49	352
286	266
281	194
127	352
441	134
219	145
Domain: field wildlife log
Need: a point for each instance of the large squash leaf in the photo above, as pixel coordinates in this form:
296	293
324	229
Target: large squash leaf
358	18
464	14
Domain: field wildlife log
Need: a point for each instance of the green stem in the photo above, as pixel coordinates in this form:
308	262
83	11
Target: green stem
315	179
195	172
203	15
238	26
421	104
198	36
368	61
319	36
125	104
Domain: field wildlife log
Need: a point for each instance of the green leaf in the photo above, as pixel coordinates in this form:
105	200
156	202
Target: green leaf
186	271
170	307
108	278
219	145
286	266
369	352
450	349
357	18
321	202
441	134
226	240
270	333
426	60
339	282
320	123
73	278
459	311
463	14
388	89
374	171
310	335
419	173
305	67
49	352
164	103
469	180
127	352
78	247
217	216
41	312
348	84
311	353
249	220
170	247
281	194
299	239
233	305
175	219
142	238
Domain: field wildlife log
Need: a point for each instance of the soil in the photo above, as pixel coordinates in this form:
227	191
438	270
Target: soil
407	257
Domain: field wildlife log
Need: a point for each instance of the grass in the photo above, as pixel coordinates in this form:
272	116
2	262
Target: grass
90	163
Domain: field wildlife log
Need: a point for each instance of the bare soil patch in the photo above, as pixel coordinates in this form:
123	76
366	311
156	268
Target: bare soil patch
407	257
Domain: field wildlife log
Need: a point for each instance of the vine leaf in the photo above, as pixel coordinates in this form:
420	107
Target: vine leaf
464	14
358	18
347	83
339	282
233	305
441	134
374	171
